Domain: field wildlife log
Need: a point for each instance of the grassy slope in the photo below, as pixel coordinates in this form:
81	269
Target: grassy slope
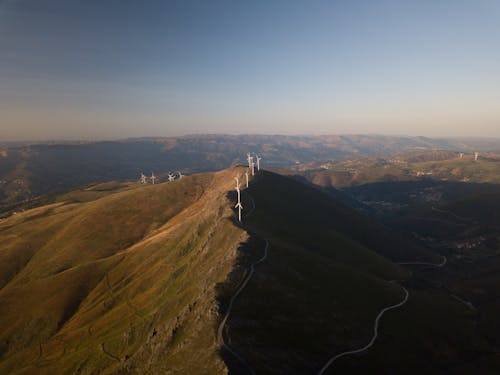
112	283
321	286
372	170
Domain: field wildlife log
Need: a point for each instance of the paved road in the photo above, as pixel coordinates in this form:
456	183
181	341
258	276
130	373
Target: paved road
373	339
439	265
379	316
466	303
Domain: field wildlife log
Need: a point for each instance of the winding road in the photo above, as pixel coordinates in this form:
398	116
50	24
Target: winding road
442	264
377	319
248	275
374	337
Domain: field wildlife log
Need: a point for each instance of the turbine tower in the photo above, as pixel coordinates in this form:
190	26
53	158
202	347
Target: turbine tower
258	161
252	167
239	207
249	159
238	189
476	156
143	178
246	175
171	177
153	178
461	155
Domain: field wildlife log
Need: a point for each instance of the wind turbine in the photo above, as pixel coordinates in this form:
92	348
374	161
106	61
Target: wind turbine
153	178
249	159
461	155
258	161
143	178
171	177
239	207
476	156
180	175
238	189
252	167
246	175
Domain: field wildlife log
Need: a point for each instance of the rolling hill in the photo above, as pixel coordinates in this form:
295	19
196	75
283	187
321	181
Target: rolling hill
117	282
126	278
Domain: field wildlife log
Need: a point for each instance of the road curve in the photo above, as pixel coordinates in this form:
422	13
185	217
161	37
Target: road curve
374	337
439	265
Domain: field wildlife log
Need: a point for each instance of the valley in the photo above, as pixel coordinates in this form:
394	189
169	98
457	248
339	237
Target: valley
454	217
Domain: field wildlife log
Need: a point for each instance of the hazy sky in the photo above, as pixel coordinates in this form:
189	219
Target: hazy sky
119	68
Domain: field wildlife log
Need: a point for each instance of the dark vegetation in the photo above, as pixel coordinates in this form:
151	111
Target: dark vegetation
452	317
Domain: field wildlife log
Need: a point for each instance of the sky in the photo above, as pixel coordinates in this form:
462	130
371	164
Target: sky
123	68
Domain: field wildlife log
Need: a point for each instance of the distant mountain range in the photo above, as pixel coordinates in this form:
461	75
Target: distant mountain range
29	170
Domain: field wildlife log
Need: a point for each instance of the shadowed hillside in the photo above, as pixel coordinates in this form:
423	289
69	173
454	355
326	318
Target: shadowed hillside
322	283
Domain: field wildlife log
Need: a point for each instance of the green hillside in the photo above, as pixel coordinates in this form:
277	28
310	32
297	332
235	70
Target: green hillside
124	281
436	165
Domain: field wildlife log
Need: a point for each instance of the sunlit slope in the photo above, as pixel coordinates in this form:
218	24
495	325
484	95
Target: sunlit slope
121	282
446	167
320	288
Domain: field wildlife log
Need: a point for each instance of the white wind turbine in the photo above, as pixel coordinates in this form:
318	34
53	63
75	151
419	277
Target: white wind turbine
252	167
143	178
171	177
246	176
249	159
461	155
258	161
476	156
180	175
238	188
239	207
153	178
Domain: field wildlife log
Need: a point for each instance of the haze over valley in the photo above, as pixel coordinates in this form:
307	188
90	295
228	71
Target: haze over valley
230	187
